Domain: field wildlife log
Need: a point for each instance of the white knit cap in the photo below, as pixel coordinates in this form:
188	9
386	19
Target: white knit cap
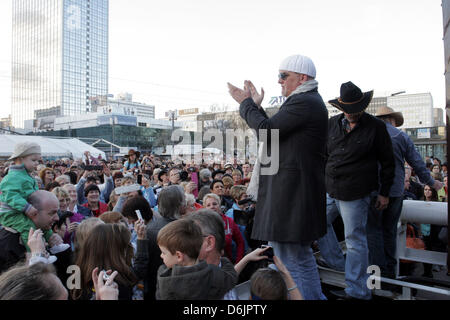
299	64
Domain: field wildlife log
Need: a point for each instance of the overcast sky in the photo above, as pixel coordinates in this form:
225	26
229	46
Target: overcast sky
180	54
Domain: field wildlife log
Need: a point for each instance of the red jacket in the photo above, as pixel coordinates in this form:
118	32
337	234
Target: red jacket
102	207
232	232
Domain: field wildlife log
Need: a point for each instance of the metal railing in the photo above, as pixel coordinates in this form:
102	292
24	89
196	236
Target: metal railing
420	212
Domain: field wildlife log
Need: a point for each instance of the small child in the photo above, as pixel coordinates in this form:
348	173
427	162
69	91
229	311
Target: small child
182	276
270	284
60	226
16	187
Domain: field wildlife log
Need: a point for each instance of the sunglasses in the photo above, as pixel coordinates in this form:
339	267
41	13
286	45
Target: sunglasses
283	76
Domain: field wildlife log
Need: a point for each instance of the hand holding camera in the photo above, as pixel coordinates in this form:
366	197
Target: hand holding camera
268	252
104	285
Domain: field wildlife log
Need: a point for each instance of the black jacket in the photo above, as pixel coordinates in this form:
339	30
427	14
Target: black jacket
291	204
353	159
154	256
12	251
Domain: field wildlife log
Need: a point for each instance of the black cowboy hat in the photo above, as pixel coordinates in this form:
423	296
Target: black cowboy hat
352	99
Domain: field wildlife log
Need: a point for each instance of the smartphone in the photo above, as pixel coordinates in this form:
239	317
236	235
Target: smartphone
105	276
194	178
269	252
139	215
139	179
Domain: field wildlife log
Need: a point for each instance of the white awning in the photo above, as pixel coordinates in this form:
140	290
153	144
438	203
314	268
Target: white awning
51	147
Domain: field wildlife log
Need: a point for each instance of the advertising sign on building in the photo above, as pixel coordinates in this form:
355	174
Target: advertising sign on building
423	133
186	112
117	119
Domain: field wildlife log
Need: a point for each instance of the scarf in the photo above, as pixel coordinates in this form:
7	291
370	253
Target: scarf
252	189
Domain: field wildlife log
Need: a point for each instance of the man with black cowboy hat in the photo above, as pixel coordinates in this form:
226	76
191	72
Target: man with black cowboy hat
357	144
382	226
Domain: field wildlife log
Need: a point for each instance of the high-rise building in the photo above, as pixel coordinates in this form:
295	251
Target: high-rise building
375	103
417	109
59	57
438	117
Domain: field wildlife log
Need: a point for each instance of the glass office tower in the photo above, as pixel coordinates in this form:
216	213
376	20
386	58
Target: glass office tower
59	57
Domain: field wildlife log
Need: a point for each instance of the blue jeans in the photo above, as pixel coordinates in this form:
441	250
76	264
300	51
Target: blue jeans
299	260
354	215
382	236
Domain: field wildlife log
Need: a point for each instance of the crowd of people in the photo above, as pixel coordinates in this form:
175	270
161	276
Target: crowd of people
145	227
81	208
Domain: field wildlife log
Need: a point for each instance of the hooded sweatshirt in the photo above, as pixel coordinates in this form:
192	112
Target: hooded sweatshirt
201	281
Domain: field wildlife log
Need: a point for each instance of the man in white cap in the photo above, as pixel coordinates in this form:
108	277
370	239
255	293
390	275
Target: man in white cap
382	226
291	204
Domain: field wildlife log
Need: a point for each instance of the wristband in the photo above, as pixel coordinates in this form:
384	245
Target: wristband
290	289
38	254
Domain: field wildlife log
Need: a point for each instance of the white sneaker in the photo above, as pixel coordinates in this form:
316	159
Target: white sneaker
52	259
59	248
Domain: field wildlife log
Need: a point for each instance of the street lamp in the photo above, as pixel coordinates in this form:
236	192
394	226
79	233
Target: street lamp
173	117
397	93
112	121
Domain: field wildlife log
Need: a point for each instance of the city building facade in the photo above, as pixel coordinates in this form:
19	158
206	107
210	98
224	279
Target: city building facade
125	100
417	109
59	57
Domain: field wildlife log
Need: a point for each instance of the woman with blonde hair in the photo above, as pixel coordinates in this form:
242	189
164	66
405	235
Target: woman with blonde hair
232	232
73	204
75	217
237	176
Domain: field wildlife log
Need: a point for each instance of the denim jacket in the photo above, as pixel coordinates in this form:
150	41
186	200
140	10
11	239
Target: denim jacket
404	149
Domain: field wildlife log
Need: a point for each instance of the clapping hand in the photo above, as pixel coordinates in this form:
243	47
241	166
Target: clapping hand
257	98
238	94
